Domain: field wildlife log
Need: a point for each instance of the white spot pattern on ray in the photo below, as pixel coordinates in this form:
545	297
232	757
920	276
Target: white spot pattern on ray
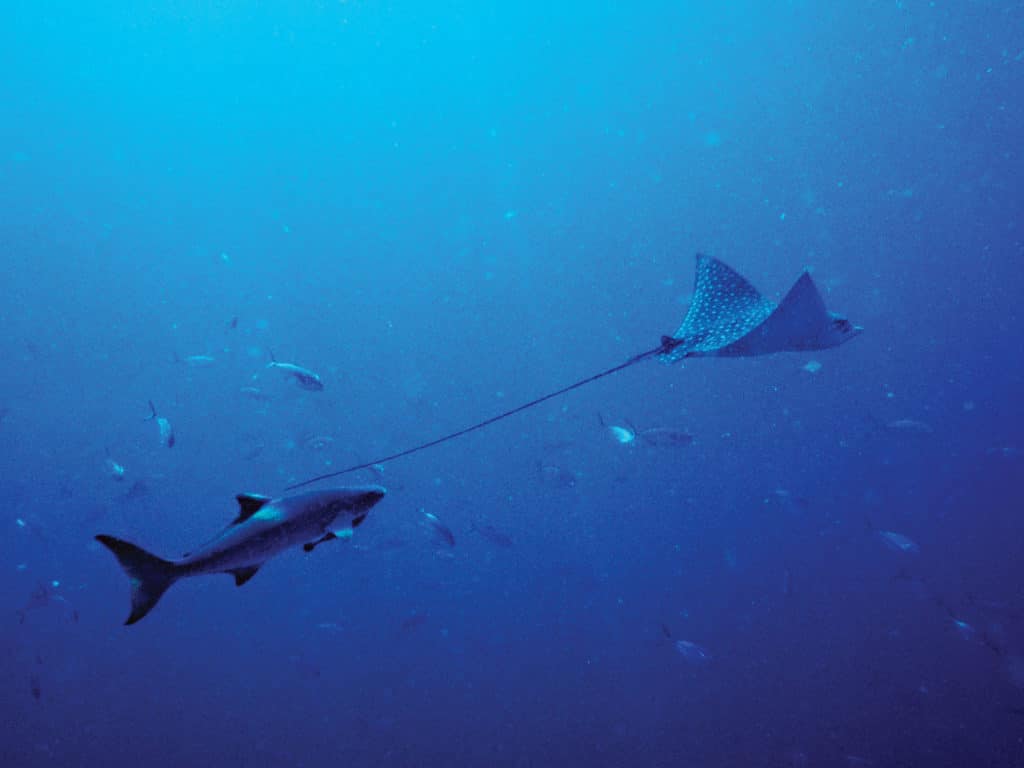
725	308
729	318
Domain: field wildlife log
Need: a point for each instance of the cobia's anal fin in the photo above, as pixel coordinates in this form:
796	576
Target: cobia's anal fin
242	575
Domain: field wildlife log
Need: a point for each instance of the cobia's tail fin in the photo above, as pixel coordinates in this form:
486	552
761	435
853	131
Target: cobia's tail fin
150	576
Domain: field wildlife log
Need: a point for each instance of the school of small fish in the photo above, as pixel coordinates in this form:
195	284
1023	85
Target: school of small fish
551	474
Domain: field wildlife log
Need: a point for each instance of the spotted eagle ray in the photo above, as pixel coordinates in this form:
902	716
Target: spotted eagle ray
728	317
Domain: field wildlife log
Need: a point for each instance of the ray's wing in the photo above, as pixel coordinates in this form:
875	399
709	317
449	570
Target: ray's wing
725	308
794	325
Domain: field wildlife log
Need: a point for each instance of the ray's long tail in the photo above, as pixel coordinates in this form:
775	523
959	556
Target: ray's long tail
667	344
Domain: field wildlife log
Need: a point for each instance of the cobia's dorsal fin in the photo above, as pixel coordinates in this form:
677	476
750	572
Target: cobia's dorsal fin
248	505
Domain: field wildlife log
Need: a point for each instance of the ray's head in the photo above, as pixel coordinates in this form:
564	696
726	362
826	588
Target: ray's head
838	330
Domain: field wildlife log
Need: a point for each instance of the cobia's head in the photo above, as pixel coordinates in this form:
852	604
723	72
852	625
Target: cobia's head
350	504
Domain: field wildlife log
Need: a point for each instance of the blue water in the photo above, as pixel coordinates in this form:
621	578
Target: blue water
447	209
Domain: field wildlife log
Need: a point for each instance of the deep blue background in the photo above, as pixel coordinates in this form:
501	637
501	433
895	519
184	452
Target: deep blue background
447	209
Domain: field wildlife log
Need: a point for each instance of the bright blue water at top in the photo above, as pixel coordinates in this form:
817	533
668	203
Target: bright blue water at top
447	209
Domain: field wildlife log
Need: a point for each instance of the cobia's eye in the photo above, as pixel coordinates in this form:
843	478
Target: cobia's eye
841	324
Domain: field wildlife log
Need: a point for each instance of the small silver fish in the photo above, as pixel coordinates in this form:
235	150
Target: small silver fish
442	533
692	652
666	437
622	435
254	393
166	431
965	630
786	501
138	491
556	476
899	542
44	595
304	377
114	469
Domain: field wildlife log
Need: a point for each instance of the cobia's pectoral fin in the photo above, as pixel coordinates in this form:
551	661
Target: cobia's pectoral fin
310	546
345	533
242	575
